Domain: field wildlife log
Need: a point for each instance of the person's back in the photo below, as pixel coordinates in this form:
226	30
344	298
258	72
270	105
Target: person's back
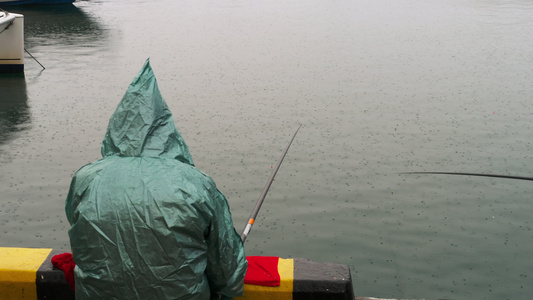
146	224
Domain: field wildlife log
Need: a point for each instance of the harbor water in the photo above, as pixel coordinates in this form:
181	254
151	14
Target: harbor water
381	87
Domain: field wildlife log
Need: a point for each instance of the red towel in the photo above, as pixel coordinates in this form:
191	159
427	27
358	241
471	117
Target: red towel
65	263
262	270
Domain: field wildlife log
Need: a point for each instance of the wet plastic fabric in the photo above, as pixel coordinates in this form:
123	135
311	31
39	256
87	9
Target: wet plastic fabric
146	224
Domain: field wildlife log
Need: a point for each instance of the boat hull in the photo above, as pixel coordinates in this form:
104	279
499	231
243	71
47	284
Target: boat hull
11	43
34	2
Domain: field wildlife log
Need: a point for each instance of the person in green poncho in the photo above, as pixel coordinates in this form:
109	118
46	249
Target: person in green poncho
145	223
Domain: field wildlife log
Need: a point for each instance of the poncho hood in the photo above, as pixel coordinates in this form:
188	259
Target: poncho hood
142	125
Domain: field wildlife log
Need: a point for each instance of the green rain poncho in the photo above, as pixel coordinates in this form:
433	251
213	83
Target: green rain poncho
146	224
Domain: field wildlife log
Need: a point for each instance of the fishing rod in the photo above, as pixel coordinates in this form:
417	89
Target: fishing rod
474	174
257	207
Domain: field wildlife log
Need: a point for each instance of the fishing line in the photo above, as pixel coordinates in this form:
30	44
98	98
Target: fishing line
473	174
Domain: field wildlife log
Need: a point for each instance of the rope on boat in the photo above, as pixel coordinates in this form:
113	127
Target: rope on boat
10	23
7	27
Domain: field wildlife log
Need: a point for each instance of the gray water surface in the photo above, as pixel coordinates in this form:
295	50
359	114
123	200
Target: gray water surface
380	87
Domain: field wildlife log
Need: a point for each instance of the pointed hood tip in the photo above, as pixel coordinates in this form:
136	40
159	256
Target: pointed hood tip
143	136
147	67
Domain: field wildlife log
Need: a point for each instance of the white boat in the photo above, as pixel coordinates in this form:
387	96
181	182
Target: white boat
11	42
25	2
